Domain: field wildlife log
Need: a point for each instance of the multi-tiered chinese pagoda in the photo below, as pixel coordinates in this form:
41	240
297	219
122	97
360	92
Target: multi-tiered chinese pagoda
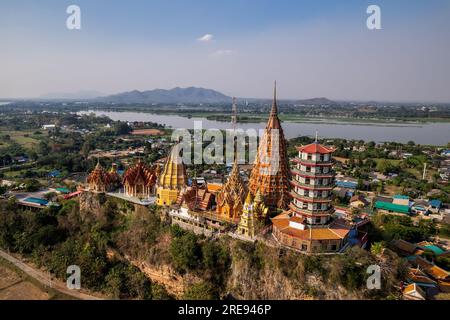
308	225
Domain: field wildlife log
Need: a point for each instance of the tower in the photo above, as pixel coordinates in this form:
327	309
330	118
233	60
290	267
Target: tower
270	174
246	225
313	182
230	200
308	225
172	179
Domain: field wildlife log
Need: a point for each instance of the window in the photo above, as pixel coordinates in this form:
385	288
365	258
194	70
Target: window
333	247
317	220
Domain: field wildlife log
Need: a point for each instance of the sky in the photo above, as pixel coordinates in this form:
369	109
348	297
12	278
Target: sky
313	48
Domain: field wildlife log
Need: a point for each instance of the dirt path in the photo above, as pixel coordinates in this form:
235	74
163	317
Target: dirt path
45	279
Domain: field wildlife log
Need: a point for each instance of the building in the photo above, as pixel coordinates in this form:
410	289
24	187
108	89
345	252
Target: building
172	180
358	201
270	174
435	206
231	198
99	180
308	226
139	180
401	200
391	207
194	210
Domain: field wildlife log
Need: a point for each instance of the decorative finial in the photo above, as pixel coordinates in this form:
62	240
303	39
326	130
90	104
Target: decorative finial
274	110
317	136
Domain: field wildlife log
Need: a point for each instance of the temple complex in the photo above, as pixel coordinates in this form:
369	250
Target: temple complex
308	225
140	181
172	180
230	200
270	174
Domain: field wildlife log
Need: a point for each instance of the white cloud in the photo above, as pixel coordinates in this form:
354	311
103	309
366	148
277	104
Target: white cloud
224	52
206	38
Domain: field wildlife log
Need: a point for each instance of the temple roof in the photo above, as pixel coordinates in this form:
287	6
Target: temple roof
141	173
336	231
196	198
315	148
98	176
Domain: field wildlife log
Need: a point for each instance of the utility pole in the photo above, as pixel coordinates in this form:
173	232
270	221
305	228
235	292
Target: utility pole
424	171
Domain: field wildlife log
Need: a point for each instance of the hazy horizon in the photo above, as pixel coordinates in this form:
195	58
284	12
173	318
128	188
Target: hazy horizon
312	48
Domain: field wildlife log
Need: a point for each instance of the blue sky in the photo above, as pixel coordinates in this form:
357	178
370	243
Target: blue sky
313	48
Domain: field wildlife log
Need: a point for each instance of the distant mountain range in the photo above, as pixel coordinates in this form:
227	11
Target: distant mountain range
191	95
175	95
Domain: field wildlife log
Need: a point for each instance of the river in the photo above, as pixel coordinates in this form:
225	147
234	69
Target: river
433	133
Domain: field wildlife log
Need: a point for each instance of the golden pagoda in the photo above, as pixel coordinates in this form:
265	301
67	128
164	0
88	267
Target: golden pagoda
246	225
231	198
140	180
270	174
172	180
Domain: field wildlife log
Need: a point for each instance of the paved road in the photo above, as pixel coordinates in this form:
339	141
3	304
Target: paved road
45	279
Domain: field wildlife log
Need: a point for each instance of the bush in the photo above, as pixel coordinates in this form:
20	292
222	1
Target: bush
200	291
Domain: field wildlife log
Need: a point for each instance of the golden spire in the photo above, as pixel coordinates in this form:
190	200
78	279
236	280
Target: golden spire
274	110
249	198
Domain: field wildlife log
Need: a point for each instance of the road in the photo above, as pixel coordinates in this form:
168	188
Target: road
45	279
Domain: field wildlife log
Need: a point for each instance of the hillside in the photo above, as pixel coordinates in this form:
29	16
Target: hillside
175	95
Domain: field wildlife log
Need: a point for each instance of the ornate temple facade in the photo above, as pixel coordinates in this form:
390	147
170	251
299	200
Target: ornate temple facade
270	174
230	200
140	180
99	180
308	225
172	180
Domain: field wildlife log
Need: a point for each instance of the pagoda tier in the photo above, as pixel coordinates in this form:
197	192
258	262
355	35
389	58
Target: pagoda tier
270	174
313	182
173	179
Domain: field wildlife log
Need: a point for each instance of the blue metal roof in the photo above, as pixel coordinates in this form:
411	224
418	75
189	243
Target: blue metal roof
435	203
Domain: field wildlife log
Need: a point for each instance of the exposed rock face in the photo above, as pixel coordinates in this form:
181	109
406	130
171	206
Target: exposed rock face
90	205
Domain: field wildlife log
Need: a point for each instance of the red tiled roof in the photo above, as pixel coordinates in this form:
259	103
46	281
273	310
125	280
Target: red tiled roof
314	148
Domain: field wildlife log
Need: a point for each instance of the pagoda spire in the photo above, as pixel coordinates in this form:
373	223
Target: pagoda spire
271	174
274	110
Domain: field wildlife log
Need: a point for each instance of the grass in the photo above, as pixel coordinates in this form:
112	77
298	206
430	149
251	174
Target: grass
24	138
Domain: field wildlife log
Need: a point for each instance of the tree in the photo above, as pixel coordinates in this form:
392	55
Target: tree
122	128
185	252
377	248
